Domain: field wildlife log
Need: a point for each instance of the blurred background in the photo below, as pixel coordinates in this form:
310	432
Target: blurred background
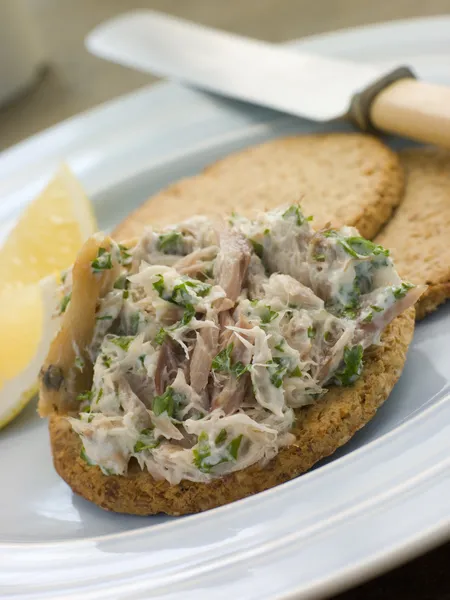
74	81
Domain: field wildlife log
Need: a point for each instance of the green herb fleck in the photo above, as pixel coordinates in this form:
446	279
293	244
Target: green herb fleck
295	212
106	360
280	346
296	372
103	261
222	361
64	302
123	341
104	318
319	257
85	457
134	323
311	333
233	447
99	395
402	290
278	369
121	283
188	314
202	452
258	248
79	363
146	441
376	308
160	336
327	336
165	403
107	471
221	437
268	315
368	318
85	396
171	243
125	256
158	285
352	368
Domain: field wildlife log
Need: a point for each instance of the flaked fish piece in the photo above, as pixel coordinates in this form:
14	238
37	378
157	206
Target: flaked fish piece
67	370
256	277
231	396
230	268
169	360
283	290
196	262
205	350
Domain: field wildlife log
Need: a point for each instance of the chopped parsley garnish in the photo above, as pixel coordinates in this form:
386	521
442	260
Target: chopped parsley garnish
189	313
104	318
202	452
295	212
121	283
167	402
221	437
280	346
158	285
376	308
107	471
327	336
368	318
352	366
311	333
170	243
103	261
134	323
402	290
85	396
125	294
125	256
257	247
268	315
222	363
106	360
356	246
64	302
99	395
123	341
79	363
146	441
85	457
319	257
160	336
234	445
279	368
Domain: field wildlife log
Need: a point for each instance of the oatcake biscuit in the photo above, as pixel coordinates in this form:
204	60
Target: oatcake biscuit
342	178
320	429
419	232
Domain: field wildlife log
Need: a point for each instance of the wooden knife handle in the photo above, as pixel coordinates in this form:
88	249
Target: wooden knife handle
413	109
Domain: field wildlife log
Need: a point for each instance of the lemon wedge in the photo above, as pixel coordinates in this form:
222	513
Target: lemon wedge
50	232
44	242
27	332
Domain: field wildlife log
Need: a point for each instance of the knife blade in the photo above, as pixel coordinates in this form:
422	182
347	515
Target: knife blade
301	84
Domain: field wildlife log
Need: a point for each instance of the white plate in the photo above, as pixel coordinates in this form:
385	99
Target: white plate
379	500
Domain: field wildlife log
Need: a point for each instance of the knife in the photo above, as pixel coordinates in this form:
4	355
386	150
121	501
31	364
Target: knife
309	86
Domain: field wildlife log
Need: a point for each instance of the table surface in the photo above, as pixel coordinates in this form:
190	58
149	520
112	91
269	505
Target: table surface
75	81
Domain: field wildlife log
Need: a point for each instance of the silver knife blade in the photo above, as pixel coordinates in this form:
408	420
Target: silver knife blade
305	85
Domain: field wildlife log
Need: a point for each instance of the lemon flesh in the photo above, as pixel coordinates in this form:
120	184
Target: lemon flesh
44	242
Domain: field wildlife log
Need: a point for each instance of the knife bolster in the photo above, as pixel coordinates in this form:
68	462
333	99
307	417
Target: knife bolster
361	103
